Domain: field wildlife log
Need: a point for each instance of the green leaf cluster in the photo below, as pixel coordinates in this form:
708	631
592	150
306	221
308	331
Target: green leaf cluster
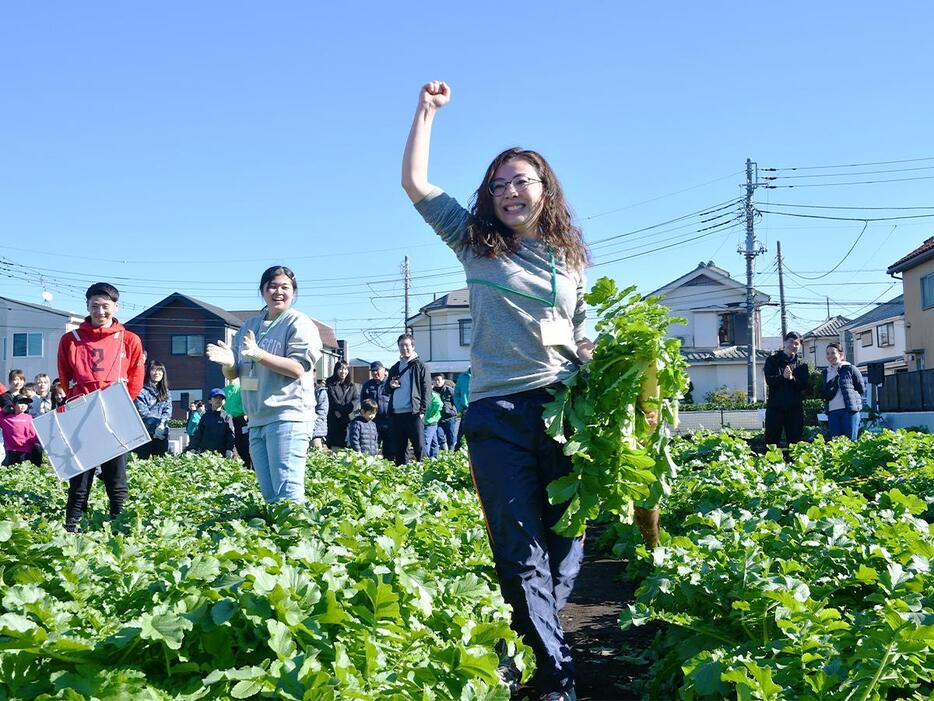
381	586
775	581
599	413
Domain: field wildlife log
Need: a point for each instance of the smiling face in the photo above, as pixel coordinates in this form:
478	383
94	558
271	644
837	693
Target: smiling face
342	372
101	309
156	373
834	356
278	295
406	348
16	383
792	346
518	210
217	402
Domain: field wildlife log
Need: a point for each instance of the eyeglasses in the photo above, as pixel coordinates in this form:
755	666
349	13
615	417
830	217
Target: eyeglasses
520	183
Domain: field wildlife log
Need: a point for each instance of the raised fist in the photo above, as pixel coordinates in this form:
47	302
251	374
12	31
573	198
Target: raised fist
435	94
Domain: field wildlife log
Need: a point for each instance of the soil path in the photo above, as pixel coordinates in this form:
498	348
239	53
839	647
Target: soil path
591	623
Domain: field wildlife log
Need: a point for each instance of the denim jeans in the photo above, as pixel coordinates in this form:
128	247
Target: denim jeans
279	451
431	441
512	461
451	429
843	422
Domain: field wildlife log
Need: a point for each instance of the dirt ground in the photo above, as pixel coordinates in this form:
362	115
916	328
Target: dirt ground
591	623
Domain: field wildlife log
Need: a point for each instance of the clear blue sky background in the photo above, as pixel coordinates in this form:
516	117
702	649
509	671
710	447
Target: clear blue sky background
185	146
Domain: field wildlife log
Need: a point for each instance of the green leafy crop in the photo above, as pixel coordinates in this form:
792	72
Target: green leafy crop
600	411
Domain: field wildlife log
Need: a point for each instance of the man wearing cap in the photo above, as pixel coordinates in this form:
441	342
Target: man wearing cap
787	380
377	390
215	431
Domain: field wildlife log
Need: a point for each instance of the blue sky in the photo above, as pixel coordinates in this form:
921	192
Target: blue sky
186	146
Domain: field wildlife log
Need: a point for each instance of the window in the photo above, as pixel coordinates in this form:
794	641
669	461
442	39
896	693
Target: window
187	345
725	330
465	327
866	338
927	291
27	345
193	394
885	333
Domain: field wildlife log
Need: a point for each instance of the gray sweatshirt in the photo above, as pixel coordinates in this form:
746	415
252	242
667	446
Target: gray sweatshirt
507	353
279	397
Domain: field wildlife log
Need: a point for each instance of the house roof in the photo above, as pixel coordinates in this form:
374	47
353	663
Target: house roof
921	254
42	307
328	337
727	354
713	274
455	298
829	328
221	314
885	310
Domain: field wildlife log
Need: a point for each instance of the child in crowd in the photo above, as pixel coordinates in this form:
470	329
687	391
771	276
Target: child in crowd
29	391
15	381
195	412
215	430
362	435
19	435
432	417
59	396
42	402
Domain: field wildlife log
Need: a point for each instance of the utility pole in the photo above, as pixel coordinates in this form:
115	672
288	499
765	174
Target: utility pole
408	282
828	309
781	289
750	253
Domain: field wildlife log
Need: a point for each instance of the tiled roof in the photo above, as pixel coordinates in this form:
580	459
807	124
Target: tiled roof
893	307
456	298
725	354
831	327
921	254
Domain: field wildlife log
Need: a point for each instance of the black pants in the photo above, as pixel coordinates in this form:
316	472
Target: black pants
384	430
155	447
242	441
407	428
791	420
113	473
15	457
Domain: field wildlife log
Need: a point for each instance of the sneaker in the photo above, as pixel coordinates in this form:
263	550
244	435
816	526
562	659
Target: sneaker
559	696
509	675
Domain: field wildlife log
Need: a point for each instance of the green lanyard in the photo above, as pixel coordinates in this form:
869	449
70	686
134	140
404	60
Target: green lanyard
263	335
547	302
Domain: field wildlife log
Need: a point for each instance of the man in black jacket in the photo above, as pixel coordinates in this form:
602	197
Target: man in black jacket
377	390
410	388
787	379
215	431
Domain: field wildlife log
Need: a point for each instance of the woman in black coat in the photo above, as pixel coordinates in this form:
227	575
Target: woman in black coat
343	398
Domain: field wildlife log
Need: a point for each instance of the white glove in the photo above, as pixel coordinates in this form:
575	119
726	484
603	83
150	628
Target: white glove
220	353
250	349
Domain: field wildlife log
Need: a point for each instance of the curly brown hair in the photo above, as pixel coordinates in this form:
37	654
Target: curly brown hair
489	237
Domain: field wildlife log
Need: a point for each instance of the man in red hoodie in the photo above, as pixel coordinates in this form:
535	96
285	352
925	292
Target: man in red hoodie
97	354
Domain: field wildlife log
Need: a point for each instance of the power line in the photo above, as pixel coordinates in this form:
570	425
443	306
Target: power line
862	182
859	172
830	206
862	219
851	165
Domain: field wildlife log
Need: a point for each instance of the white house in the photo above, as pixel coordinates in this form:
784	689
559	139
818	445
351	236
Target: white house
442	330
715	336
30	337
814	342
878	336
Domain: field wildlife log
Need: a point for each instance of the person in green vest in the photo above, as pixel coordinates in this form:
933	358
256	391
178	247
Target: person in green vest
234	407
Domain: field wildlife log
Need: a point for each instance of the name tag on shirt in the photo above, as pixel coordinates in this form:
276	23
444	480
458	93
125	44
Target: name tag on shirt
556	331
249	384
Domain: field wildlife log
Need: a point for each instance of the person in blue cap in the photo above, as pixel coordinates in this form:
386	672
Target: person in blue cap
215	431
